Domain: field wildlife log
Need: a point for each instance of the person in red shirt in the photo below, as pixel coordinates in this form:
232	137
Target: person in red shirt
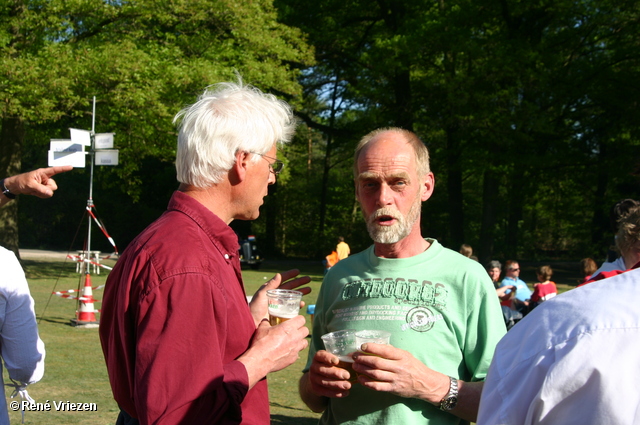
545	289
587	266
181	343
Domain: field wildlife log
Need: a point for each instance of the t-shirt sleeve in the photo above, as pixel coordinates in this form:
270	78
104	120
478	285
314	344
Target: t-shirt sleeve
485	328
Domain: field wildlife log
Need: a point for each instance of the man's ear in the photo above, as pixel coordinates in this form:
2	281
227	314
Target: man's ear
238	172
428	186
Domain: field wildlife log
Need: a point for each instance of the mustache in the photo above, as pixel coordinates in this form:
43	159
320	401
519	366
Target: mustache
385	211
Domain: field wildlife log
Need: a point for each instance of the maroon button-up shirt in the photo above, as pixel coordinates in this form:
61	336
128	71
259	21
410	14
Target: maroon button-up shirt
175	318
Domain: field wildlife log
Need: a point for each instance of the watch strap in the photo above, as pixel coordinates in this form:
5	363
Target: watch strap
6	191
451	399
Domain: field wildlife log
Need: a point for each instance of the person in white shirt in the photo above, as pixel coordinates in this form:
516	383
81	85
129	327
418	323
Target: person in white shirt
21	348
572	360
619	211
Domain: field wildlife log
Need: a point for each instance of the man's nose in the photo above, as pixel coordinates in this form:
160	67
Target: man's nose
272	177
384	195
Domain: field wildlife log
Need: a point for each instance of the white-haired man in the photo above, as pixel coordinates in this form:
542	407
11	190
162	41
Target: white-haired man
439	306
180	341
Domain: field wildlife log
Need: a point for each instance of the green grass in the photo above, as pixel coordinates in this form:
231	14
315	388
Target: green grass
74	365
75	369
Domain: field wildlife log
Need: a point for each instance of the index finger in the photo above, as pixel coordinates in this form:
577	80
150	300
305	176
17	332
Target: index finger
288	281
296	283
325	357
289	274
384	351
52	171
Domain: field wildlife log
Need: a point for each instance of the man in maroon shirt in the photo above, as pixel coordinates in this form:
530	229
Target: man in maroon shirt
182	345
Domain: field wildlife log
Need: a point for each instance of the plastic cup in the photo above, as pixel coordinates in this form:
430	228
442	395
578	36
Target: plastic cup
284	304
342	344
375	336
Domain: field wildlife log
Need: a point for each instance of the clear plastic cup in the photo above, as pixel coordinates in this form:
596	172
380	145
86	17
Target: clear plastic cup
342	344
284	304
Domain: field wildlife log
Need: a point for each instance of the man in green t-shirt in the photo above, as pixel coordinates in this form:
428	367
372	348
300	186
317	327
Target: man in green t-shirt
440	307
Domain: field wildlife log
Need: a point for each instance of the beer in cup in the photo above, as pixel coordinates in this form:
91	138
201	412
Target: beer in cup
342	344
284	304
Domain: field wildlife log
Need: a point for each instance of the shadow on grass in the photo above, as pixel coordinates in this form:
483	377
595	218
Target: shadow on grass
48	269
280	419
292	420
309	267
56	320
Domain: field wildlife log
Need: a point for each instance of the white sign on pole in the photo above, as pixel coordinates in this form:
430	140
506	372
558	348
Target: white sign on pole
104	141
81	136
61	145
75	159
107	157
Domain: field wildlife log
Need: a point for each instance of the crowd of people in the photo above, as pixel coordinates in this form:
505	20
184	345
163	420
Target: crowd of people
450	359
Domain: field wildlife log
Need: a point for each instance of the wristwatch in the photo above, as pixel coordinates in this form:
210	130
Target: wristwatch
5	191
450	400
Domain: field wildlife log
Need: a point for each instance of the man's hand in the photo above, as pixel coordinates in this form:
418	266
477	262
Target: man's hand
285	280
274	347
324	380
37	182
396	371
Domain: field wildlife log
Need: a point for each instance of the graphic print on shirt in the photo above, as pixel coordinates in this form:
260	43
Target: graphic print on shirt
415	304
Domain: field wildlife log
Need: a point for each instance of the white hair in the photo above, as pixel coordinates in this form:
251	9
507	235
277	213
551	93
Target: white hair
228	118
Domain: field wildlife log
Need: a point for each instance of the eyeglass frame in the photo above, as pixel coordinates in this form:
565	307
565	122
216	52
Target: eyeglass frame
275	167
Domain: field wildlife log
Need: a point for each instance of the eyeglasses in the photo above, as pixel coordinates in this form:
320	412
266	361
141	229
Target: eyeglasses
276	166
515	270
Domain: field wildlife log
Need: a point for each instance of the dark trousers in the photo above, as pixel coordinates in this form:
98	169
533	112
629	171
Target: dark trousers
125	419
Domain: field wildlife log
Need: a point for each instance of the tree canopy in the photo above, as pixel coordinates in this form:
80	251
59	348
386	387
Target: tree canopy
143	60
528	109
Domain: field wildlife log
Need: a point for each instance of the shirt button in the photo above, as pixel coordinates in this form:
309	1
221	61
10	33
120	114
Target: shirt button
226	256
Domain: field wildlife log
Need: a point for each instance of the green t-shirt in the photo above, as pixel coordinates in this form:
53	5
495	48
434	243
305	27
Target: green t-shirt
439	305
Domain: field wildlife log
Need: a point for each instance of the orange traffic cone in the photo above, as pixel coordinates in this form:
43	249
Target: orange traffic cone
86	315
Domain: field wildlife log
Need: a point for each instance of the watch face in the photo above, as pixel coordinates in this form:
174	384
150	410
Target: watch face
449	403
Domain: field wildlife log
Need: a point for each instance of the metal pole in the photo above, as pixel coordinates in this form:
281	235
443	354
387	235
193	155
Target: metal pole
90	200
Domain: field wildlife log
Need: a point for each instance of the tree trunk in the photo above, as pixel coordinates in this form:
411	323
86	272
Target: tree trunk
454	189
601	212
11	138
404	109
490	189
516	201
326	167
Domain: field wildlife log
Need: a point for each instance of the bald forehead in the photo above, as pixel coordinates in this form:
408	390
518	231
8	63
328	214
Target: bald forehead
388	148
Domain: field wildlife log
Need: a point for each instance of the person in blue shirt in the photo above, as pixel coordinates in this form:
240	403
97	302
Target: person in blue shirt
512	277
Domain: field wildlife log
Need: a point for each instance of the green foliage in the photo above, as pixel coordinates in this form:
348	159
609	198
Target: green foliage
529	94
528	108
143	61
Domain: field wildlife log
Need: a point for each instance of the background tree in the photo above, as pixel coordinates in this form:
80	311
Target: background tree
143	61
507	96
529	110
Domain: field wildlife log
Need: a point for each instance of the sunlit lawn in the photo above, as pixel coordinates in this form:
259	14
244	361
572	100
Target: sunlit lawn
75	370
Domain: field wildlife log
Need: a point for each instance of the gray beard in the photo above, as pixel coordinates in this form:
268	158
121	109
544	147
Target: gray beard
396	232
